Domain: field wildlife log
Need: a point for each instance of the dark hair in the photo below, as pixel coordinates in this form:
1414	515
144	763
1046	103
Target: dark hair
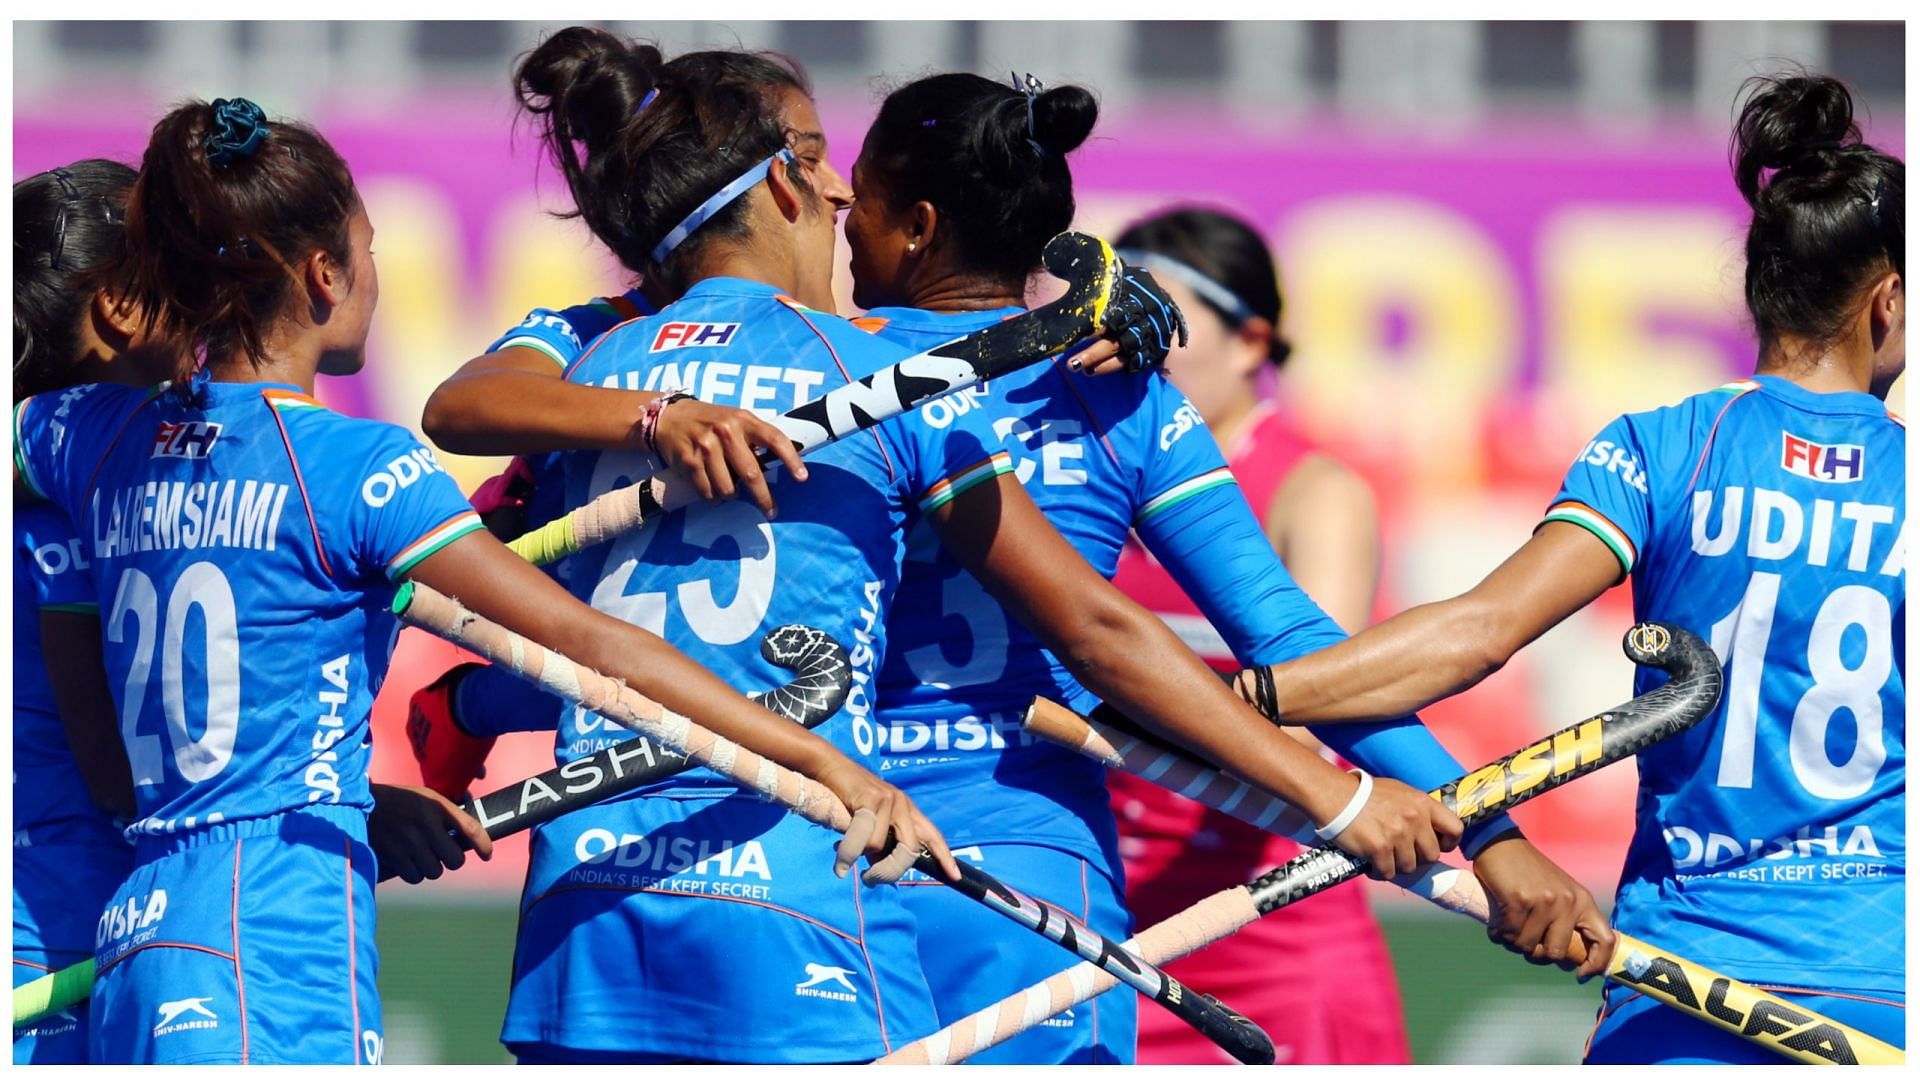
225	208
993	165
1828	210
643	141
1224	249
66	222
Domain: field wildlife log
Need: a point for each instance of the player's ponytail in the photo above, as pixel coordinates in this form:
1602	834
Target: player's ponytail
227	205
1217	256
66	222
1828	210
990	157
643	141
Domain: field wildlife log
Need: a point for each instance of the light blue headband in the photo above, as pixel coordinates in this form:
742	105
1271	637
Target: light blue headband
716	203
1210	290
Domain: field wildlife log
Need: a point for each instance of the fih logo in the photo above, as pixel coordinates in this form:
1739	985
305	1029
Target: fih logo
172	1011
693	335
1841	463
192	439
818	974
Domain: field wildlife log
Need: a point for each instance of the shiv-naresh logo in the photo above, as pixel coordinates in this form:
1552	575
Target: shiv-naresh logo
819	975
1840	463
172	1011
693	335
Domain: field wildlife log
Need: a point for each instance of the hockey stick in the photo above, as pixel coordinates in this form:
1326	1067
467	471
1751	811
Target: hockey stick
35	1001
417	605
818	691
1091	272
1691	693
1138	753
1733	1006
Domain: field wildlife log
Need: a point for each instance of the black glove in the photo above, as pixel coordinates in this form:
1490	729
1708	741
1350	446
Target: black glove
1143	319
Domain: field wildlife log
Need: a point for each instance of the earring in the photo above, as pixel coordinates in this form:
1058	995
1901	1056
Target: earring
912	244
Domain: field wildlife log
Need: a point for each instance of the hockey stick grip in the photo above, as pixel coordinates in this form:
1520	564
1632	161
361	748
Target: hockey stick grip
419	605
1445	886
48	994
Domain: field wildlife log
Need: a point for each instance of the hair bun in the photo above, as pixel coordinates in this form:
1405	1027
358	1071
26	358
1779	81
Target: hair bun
589	80
1790	122
238	128
1063	117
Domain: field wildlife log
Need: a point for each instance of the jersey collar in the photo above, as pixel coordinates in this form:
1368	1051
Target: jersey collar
956	322
1847	402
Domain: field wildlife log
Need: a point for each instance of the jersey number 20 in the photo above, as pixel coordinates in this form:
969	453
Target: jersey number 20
201	585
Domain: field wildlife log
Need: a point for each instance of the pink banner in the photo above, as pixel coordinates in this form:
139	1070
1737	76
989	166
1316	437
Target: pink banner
1466	308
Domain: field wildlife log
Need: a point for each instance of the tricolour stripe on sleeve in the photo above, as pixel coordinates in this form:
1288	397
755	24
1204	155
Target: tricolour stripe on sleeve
944	492
436	538
1578	513
533	343
20	451
1183	491
78	608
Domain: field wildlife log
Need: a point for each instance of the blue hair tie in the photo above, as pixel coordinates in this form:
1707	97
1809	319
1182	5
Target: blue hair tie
1032	88
715	203
239	127
646	101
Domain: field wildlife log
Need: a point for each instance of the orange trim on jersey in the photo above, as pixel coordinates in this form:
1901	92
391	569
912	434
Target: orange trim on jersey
1746	388
353	978
31	964
800	309
872	324
300	481
1896	417
294	397
167	945
93	481
239	977
873	976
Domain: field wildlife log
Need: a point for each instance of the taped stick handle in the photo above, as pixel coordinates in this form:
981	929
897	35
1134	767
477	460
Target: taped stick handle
1445	886
419	605
820	687
50	993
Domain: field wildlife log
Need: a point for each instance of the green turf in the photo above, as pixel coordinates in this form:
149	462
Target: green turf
444	969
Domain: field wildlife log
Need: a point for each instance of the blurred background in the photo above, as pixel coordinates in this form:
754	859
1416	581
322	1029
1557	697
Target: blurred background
1493	237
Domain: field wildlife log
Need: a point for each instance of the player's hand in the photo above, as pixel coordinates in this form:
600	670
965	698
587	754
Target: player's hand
1142	322
713	447
1539	911
1400	830
501	501
415	832
887	827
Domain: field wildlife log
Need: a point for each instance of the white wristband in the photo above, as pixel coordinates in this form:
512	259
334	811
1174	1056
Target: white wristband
1334	828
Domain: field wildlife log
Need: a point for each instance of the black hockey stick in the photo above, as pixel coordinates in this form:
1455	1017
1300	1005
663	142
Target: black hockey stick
1093	278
